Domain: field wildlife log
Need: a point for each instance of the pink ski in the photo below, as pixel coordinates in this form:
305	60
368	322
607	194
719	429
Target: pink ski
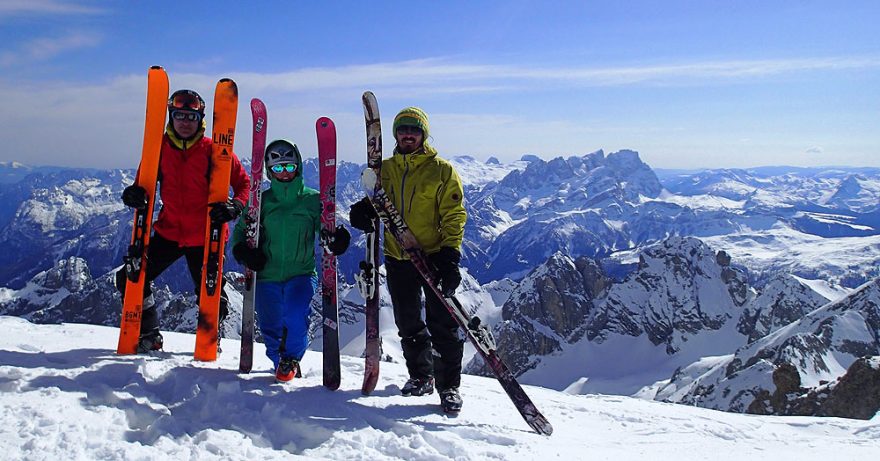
327	167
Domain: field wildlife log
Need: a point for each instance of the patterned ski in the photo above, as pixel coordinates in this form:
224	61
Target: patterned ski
252	234
223	135
327	169
368	278
479	334
135	260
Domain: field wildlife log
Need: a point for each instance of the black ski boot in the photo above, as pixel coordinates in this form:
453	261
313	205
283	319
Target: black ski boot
417	387
150	342
450	400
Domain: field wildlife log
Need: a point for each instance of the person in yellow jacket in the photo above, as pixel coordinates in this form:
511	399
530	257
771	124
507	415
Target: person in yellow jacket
428	193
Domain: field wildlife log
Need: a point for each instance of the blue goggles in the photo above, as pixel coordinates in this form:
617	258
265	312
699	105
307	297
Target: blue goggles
288	167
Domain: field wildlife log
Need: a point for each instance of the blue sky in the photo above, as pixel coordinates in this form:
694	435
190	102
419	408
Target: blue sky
688	84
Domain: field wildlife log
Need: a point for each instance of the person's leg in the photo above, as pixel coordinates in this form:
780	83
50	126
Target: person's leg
447	341
298	293
161	253
269	305
406	299
194	258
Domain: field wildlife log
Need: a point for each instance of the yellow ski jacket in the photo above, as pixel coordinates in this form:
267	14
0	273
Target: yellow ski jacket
428	193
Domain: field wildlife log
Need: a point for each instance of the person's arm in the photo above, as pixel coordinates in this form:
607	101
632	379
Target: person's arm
238	233
240	182
451	211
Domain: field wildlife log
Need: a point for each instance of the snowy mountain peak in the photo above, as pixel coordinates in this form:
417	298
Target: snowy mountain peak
548	309
71	274
577	205
680	290
856	192
783	300
819	347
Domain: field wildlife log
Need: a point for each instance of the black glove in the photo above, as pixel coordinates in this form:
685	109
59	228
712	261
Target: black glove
222	212
252	258
362	214
338	241
134	196
446	262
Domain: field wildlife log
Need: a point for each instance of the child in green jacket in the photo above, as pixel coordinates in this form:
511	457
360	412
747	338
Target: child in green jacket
290	216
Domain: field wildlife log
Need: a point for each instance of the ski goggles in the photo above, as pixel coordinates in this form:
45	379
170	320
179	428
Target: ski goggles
186	115
186	99
286	167
409	129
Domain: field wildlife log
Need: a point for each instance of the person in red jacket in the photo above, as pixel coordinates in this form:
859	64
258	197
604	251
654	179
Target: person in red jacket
184	172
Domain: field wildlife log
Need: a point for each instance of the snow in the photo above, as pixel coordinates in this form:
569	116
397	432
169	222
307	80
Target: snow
783	248
830	291
836	219
476	173
65	394
700	202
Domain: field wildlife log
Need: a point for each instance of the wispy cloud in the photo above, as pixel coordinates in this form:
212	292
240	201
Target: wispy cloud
708	70
43	7
815	150
41	49
441	75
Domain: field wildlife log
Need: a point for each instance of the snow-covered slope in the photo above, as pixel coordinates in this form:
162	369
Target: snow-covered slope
64	394
568	324
820	346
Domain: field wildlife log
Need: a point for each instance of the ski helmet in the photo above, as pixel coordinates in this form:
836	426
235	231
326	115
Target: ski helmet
186	100
281	151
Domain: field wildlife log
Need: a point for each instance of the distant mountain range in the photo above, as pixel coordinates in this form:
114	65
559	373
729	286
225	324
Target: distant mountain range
598	273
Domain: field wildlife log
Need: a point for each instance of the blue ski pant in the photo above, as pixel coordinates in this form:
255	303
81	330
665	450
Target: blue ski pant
283	313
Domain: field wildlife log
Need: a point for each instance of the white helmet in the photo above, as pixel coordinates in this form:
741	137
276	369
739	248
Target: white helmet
281	151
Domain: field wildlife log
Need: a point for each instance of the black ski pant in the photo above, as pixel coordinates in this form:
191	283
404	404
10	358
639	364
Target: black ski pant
431	343
161	254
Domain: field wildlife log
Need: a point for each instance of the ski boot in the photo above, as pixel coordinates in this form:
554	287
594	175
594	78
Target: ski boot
417	386
288	368
149	342
450	400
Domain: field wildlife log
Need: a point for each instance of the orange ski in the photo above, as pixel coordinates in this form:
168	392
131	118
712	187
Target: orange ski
136	259
223	134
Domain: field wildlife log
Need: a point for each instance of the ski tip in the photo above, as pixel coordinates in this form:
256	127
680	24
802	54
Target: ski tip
324	122
542	426
225	81
369	98
156	68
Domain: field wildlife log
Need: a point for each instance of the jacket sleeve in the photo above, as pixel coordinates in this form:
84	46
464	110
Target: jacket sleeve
239	181
452	212
318	211
238	231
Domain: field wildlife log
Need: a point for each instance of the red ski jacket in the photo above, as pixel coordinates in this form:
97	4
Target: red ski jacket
183	186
